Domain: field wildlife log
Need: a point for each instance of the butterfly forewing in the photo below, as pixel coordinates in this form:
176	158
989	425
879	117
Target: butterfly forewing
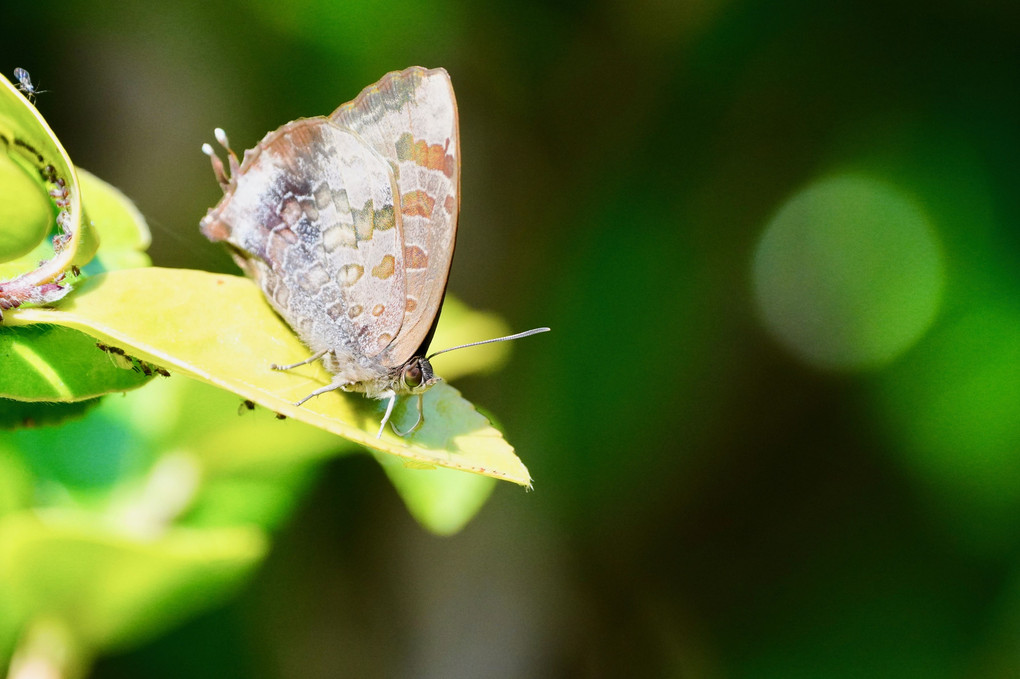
410	118
313	218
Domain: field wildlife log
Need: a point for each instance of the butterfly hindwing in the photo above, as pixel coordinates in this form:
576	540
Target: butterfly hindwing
313	218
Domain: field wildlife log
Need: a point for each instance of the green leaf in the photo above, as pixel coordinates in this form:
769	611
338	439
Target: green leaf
15	483
25	211
164	470
21	414
51	363
254	467
253	463
441	500
215	426
111	587
31	145
219	329
123	233
58	364
83	460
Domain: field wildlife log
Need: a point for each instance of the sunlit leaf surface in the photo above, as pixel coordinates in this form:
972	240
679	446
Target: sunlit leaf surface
219	329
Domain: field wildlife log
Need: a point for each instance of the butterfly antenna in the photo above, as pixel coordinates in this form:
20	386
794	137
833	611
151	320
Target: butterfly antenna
221	174
519	335
221	137
217	166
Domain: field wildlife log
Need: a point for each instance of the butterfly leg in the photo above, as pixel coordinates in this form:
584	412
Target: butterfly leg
332	386
314	357
417	425
392	396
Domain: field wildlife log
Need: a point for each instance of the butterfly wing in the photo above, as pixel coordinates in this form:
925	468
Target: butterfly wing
410	118
311	215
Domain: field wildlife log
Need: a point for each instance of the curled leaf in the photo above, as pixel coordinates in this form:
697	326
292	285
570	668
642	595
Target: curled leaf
31	146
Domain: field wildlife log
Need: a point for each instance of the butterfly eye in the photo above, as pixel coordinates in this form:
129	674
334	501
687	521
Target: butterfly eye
412	376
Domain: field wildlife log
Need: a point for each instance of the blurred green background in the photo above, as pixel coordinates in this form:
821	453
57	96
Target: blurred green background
776	429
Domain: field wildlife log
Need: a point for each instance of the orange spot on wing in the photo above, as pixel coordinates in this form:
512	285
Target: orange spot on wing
415	258
349	274
436	158
433	157
385	268
417	204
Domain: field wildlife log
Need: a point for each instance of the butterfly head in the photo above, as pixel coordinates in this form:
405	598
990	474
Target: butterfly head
415	376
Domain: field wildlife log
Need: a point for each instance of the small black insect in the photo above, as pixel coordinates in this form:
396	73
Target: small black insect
108	349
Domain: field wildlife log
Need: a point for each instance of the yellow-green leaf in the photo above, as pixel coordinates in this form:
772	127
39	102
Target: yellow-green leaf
219	329
31	144
112	587
122	229
25	211
441	500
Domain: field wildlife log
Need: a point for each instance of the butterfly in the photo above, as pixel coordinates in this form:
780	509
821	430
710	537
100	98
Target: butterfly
348	224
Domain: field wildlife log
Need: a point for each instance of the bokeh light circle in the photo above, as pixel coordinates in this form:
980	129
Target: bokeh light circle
848	274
